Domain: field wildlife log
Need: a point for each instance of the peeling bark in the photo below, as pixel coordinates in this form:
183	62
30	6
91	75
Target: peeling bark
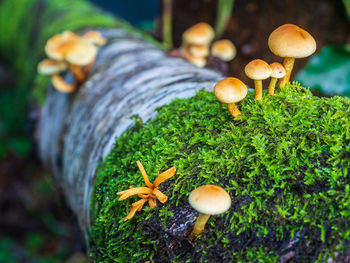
130	77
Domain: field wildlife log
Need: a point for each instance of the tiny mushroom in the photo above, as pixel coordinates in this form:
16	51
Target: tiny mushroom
198	50
95	38
50	67
199	34
224	49
231	91
278	72
196	41
290	41
68	51
258	70
208	200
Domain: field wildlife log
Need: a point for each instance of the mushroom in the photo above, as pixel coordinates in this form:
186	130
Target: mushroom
290	42
278	72
231	91
50	67
199	34
208	200
224	49
72	49
196	54
258	70
95	38
196	41
198	50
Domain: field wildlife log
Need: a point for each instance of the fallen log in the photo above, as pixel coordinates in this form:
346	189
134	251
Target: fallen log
285	161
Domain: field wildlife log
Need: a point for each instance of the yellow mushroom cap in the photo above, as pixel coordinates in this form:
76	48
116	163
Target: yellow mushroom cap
230	90
95	37
257	69
210	199
199	34
198	50
224	49
70	47
291	41
81	54
50	67
278	71
197	61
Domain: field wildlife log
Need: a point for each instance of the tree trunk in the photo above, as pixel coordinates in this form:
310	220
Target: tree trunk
130	77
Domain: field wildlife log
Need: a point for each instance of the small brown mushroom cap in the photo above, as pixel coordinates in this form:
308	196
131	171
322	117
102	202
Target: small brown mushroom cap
230	90
198	50
210	199
70	47
291	41
50	67
224	49
81	54
257	69
278	71
197	61
199	34
95	37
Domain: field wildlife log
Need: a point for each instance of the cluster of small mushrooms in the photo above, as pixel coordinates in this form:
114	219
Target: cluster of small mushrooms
196	43
207	199
287	41
68	51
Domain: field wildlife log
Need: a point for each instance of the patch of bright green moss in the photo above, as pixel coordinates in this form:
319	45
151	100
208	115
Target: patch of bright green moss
285	163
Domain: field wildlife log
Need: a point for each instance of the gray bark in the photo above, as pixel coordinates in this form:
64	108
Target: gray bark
130	77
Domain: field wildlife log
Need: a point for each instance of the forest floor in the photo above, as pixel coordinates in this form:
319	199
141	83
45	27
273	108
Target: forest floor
35	223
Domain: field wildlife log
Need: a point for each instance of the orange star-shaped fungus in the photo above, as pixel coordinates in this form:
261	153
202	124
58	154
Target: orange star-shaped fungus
149	193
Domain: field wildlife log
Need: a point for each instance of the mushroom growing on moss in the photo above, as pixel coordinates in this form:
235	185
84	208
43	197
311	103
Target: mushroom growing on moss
208	200
258	70
290	42
231	91
278	72
224	49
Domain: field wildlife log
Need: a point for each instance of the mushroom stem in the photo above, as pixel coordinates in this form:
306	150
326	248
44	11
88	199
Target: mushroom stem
258	89
233	110
272	86
288	64
78	73
199	225
62	86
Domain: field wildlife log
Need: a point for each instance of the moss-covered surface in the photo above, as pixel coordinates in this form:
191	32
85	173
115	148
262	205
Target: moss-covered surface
285	163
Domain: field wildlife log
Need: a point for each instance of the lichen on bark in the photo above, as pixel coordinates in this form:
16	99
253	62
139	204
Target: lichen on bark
285	163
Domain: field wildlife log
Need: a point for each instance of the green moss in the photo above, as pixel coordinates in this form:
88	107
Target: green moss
285	163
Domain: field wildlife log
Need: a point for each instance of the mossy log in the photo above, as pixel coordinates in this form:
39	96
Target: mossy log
129	78
285	161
